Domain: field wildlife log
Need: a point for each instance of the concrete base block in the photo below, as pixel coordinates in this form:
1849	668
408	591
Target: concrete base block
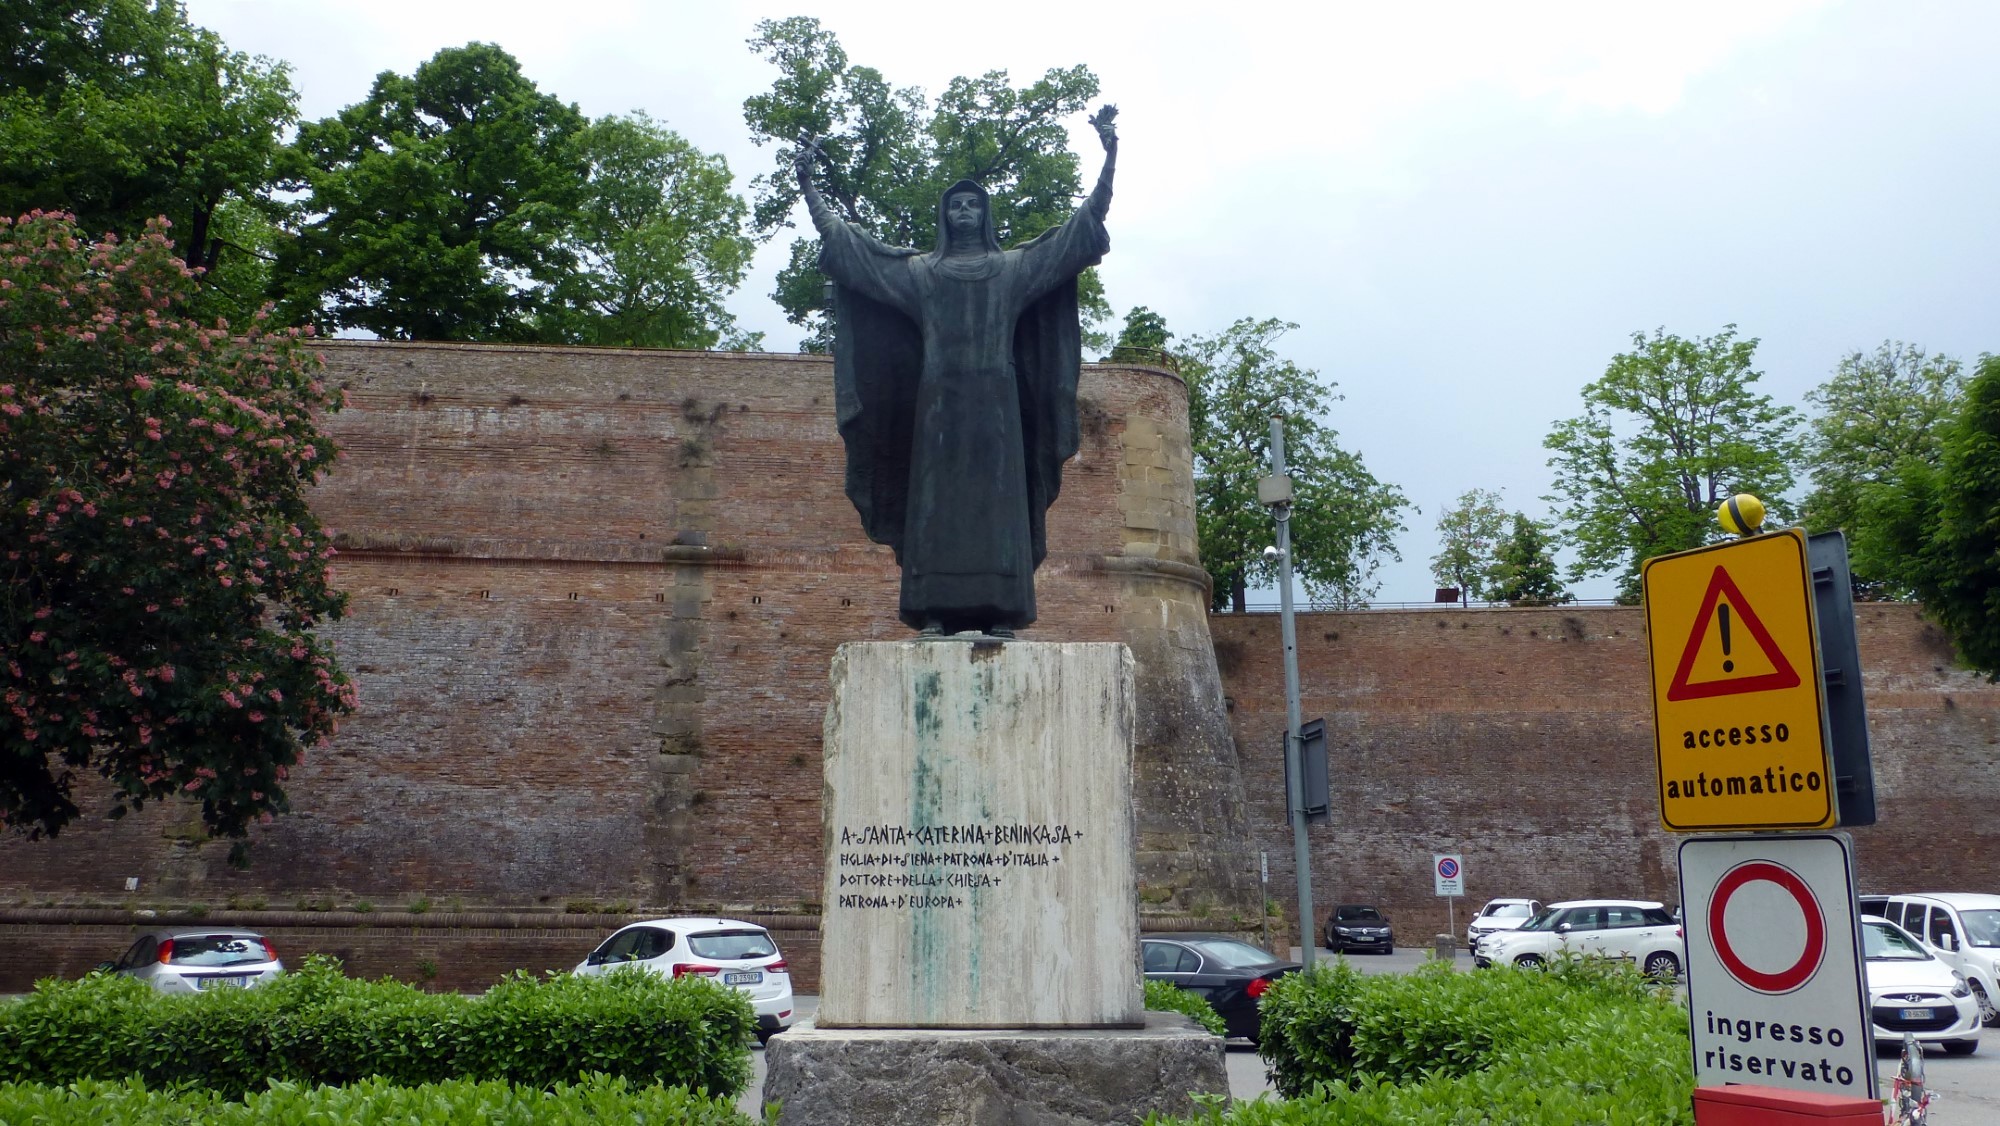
949	1077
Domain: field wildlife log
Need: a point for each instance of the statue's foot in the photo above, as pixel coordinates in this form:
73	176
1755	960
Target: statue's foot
1001	632
932	628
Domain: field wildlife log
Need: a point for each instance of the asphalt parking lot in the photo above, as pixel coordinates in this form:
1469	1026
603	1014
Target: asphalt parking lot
1965	1089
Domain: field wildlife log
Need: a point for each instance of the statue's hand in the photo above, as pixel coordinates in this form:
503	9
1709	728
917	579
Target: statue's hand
1106	131
803	157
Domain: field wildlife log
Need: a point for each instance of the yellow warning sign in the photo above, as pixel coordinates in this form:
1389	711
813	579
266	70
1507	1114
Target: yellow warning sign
1738	702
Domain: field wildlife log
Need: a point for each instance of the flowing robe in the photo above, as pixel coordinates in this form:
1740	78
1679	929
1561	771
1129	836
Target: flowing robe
956	393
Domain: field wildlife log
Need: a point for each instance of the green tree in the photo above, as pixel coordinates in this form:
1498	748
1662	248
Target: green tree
1343	520
1524	568
1671	430
1876	412
1940	524
162	570
1469	535
443	207
1144	338
120	111
659	242
890	153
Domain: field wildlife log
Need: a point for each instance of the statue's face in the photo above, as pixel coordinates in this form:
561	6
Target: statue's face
965	212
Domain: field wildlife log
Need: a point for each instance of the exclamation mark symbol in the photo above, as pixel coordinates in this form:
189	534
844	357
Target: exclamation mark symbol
1722	620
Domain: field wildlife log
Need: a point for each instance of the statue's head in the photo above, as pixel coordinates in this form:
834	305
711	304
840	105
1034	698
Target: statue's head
965	218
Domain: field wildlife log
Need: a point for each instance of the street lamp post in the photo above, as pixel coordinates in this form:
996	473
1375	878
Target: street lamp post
1275	492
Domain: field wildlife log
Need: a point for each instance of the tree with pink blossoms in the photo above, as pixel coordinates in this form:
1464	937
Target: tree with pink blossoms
160	571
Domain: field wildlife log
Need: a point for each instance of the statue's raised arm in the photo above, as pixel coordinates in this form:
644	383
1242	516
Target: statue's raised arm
1107	135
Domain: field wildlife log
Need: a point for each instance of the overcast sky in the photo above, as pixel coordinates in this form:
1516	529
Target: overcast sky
1466	209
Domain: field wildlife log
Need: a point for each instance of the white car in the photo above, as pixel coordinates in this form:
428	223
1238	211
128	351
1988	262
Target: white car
1499	915
1961	928
728	951
1911	991
195	961
1640	931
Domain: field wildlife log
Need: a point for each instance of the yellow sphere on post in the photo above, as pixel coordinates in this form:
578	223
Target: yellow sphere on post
1741	515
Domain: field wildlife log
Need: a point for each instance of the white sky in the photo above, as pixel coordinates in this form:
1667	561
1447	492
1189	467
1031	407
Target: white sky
1466	208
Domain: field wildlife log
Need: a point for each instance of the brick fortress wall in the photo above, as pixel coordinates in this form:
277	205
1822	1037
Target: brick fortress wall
595	595
1523	739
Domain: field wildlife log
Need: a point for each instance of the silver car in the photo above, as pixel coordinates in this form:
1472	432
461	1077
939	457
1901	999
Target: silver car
195	961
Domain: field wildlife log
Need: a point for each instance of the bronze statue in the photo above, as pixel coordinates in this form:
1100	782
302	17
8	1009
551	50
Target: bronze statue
955	389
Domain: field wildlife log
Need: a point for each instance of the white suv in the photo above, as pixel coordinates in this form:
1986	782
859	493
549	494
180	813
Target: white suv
733	953
1961	928
1638	930
1499	915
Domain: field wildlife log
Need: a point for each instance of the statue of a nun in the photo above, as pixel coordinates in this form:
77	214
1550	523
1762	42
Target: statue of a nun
955	388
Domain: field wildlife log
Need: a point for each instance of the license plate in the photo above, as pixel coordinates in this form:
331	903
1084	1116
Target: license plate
221	982
743	977
1915	1014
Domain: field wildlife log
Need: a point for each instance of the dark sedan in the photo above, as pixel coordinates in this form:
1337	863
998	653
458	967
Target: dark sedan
1229	974
1356	926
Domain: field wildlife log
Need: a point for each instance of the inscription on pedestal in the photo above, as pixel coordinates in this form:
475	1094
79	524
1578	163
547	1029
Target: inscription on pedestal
979	865
926	866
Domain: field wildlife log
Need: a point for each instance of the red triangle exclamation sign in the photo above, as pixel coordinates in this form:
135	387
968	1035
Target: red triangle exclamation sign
1782	676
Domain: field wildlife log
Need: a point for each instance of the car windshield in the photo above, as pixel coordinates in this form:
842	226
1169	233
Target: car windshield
1881	942
217	950
1982	928
1542	920
1357	915
1229	954
732	944
1509	911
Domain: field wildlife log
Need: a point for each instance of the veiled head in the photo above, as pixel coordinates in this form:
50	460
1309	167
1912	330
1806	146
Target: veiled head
965	219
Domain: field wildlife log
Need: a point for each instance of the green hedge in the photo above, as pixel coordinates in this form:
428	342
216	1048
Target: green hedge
317	1026
1169	998
371	1102
1582	1043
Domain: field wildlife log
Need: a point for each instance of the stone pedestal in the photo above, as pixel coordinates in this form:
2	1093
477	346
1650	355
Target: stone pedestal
980	837
936	1077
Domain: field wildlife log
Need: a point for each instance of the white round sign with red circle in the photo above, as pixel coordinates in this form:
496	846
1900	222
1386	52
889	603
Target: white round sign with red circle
1790	928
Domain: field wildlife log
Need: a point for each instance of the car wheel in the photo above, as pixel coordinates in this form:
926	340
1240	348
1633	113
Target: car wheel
1960	1047
764	1038
1529	961
1988	1014
1662	966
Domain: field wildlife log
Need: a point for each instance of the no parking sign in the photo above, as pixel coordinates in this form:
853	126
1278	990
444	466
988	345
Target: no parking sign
1774	963
1450	872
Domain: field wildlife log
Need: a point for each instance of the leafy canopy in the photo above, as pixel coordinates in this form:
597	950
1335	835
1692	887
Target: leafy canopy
120	111
890	153
1671	430
162	570
1343	520
1876	411
658	242
1524	571
462	203
1469	539
1937	526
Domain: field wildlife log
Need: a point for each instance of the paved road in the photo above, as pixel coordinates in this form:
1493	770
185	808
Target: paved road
1965	1089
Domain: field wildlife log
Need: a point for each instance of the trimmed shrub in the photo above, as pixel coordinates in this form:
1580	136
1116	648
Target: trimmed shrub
458	1102
1166	997
317	1026
1581	1043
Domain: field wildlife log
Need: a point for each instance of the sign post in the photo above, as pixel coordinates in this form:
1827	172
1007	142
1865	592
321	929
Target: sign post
1772	926
1449	868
